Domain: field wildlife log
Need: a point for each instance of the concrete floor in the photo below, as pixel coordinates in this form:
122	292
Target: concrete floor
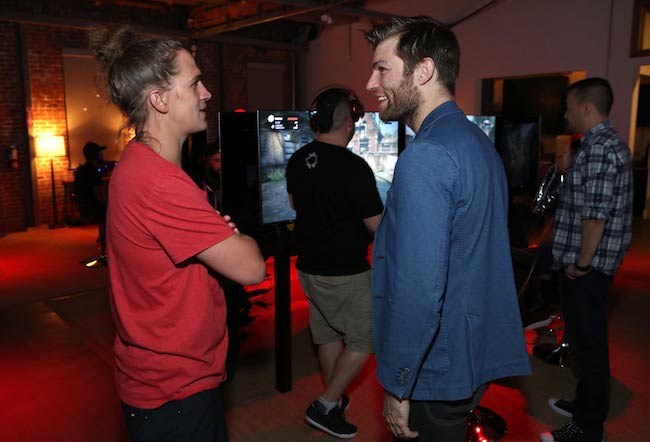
56	363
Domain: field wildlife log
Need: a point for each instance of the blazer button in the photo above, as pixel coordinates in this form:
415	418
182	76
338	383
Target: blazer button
403	376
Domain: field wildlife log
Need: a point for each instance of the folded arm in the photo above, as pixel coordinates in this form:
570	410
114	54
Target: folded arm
237	258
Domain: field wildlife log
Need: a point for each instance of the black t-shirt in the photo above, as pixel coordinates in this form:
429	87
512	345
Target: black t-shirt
333	191
86	178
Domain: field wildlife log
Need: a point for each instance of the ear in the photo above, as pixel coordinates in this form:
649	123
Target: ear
590	109
425	71
159	100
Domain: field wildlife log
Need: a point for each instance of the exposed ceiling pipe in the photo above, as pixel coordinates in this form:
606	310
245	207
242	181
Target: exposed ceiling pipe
162	8
247	22
309	7
259	19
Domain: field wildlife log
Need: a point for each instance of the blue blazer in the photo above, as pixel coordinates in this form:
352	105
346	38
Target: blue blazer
445	313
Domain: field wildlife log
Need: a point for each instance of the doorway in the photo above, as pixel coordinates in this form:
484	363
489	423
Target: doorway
640	142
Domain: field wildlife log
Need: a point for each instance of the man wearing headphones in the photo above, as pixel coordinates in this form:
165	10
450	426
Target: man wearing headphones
338	209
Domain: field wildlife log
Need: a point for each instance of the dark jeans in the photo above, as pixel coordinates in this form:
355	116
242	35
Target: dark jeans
442	421
96	213
585	321
197	418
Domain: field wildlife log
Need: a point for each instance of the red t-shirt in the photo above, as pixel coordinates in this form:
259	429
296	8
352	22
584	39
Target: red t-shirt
169	312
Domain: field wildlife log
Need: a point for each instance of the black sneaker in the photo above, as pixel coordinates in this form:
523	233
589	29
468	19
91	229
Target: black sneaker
571	432
562	407
344	403
332	423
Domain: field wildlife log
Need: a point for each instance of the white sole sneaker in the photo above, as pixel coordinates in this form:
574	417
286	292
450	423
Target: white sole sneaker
323	428
558	410
546	437
539	324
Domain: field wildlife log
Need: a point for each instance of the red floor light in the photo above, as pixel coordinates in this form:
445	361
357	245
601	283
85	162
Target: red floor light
486	426
479	436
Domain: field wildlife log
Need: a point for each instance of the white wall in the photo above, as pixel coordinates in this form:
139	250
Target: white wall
339	56
515	37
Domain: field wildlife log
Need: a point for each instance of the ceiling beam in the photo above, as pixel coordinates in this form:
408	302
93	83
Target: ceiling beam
86	24
234	25
337	7
257	19
303	7
269	44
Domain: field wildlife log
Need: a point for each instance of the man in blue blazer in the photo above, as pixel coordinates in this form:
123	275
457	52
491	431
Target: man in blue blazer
445	313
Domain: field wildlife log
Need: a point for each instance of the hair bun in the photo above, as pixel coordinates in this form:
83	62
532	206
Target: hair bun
109	43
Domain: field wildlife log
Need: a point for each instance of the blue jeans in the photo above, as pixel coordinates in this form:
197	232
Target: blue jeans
197	418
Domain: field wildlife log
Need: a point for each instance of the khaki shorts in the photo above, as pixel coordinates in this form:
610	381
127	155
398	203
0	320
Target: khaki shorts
339	308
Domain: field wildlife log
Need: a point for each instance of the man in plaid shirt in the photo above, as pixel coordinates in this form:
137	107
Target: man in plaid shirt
593	229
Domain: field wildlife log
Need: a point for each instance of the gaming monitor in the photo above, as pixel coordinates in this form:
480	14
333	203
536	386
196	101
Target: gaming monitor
518	141
377	142
487	123
282	132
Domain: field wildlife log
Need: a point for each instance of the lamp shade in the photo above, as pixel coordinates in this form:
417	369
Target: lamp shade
50	146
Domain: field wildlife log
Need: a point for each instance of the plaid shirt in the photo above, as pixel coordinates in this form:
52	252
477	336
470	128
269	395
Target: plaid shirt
598	187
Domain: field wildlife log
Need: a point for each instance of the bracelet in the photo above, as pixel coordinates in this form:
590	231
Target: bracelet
581	268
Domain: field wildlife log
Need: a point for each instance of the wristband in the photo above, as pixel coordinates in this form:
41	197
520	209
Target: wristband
581	268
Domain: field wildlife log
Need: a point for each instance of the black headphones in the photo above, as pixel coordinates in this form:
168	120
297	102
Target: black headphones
322	114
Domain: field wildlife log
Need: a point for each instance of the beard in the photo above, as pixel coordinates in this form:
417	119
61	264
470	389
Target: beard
405	102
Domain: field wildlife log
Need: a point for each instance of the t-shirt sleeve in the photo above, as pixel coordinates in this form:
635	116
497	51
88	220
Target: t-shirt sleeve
363	191
181	219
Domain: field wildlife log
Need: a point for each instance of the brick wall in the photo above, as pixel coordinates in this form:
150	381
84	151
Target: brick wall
14	184
45	67
44	60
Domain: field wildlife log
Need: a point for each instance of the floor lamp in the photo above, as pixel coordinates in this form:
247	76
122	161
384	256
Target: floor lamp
50	146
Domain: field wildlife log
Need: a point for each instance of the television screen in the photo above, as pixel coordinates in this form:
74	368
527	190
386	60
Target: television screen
408	134
518	141
280	134
544	96
487	123
239	168
377	143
